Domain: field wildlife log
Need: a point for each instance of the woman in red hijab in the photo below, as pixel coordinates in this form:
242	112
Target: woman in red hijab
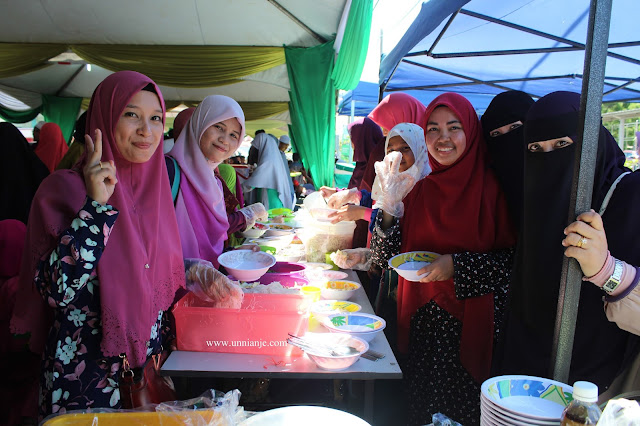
446	321
103	260
52	146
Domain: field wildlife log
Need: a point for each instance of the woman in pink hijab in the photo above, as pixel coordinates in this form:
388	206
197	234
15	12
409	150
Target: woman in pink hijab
52	146
212	134
102	263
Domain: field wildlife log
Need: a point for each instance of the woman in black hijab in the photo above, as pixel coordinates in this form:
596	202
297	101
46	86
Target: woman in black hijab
601	350
21	172
503	132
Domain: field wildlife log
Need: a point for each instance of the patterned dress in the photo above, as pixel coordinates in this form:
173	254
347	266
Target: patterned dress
435	379
76	375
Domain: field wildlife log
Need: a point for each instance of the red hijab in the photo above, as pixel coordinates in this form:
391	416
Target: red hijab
456	208
394	109
145	233
51	146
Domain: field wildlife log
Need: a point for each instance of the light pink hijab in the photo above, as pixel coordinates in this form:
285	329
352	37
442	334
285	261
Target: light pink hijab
200	208
145	233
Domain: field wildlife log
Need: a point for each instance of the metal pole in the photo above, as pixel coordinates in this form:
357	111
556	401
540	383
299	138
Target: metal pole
582	186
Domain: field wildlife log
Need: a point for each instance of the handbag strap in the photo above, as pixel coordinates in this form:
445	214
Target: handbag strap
605	202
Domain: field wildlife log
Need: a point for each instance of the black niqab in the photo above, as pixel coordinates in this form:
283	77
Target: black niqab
506	151
601	349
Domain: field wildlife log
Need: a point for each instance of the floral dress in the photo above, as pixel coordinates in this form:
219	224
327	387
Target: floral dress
76	375
436	380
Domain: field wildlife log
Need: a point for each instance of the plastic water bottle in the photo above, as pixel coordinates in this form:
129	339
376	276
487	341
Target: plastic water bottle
583	410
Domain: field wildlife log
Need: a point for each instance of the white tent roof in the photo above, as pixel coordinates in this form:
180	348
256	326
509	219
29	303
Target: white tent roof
298	23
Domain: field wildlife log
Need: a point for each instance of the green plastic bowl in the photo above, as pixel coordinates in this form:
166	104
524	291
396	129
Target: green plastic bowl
268	249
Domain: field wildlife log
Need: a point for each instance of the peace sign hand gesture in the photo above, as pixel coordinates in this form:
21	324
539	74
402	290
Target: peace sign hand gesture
99	177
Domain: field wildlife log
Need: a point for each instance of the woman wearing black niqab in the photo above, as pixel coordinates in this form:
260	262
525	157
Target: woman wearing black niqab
506	145
601	350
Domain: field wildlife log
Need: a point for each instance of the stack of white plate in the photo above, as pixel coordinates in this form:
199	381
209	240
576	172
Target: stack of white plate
523	401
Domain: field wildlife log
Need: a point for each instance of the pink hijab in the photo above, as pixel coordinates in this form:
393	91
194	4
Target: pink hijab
145	233
200	208
51	146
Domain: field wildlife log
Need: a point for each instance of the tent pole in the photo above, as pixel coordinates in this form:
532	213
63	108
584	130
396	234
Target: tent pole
582	185
297	21
68	82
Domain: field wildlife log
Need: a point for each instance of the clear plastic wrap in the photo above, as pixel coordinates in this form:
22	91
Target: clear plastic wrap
212	408
358	259
254	213
620	412
340	198
394	185
209	284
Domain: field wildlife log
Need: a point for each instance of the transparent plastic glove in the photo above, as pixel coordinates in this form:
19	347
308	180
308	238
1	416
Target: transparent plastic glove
358	259
254	213
340	198
209	284
394	185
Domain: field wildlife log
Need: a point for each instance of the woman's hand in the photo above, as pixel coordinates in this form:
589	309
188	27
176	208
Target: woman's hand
394	184
349	212
440	269
327	191
99	177
586	242
342	198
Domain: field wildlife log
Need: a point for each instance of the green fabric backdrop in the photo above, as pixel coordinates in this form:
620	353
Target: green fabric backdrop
312	108
354	46
63	111
19	116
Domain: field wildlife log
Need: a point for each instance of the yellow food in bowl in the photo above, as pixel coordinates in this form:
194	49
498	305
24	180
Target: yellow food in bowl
341	285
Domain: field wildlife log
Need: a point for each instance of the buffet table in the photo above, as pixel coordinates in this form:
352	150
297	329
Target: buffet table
207	364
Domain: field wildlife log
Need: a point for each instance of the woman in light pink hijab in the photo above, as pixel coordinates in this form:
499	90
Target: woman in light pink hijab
102	252
212	134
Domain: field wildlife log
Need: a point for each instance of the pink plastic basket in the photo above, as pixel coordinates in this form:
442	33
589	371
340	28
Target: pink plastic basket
261	326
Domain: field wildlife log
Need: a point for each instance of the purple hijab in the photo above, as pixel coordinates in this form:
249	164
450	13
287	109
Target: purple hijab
200	208
365	135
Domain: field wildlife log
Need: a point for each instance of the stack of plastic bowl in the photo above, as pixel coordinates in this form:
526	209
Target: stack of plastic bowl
523	400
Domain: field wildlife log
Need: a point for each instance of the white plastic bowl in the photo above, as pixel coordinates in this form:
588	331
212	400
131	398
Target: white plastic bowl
279	230
325	308
408	264
339	289
358	324
246	265
337	363
255	232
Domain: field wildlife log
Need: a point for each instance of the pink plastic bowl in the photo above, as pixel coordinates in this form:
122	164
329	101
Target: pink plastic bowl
336	363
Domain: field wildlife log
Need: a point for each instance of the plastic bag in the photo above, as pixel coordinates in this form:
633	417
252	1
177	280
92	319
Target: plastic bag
620	412
212	408
358	259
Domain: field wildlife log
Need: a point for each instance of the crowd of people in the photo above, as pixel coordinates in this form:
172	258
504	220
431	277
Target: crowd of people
111	232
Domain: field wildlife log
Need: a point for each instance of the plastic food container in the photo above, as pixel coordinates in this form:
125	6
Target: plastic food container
322	238
261	326
255	231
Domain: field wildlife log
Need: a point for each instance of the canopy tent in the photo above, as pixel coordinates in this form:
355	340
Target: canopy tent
192	49
486	47
537	46
360	101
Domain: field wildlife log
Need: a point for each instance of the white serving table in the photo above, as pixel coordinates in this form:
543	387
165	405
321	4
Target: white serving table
209	364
